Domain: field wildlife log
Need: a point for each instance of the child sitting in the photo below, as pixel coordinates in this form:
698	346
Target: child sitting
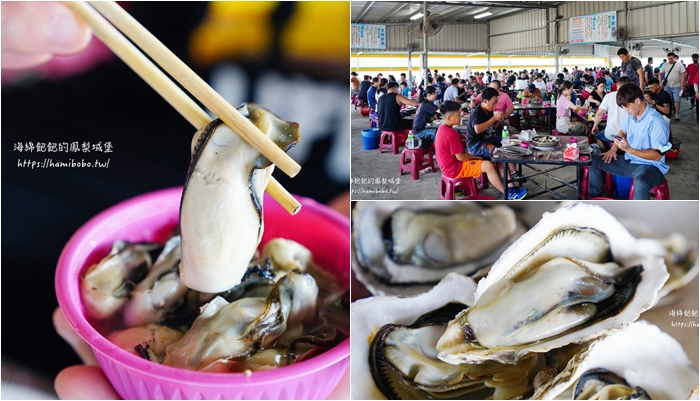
455	162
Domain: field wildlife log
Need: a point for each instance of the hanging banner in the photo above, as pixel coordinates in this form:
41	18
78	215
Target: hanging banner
368	36
601	51
593	28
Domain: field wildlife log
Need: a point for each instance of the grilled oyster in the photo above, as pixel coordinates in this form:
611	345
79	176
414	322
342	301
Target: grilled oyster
404	243
577	275
641	360
221	210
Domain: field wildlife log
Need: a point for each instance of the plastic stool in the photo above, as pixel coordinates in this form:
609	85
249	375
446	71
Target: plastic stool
480	197
396	139
448	185
660	192
417	160
558	133
607	184
373	120
360	103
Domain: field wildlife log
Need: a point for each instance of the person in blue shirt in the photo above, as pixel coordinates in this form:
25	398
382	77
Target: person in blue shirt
643	137
608	81
372	94
405	91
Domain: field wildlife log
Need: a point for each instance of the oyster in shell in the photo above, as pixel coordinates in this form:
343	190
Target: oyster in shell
405	243
148	341
577	275
221	210
642	356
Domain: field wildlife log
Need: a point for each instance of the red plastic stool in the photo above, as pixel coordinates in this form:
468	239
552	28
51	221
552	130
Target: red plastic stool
660	192
480	197
484	181
360	103
352	98
558	133
607	184
415	160
448	186
395	139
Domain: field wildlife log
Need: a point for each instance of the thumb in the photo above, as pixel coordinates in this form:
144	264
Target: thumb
65	330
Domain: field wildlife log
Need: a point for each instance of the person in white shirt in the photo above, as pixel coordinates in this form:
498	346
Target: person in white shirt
616	115
540	84
452	92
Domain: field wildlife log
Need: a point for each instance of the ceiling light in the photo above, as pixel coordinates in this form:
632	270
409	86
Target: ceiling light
486	14
417	16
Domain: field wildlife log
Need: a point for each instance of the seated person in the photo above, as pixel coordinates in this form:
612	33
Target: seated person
372	94
485	123
405	91
503	105
642	136
564	104
455	162
533	93
540	84
660	100
390	118
364	87
596	97
452	92
616	115
425	114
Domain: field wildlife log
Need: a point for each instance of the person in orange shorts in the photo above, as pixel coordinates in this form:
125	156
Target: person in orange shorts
456	162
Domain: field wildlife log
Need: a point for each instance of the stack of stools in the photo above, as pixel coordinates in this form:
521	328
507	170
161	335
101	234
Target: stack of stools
448	186
660	192
415	160
392	140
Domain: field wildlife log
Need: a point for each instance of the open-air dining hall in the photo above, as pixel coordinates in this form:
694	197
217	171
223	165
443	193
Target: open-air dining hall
524	100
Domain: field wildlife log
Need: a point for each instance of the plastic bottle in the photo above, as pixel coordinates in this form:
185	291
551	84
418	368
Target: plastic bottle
578	101
504	137
409	141
553	100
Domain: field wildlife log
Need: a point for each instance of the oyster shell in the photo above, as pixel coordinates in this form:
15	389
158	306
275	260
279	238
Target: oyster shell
642	355
405	243
369	315
221	210
598	278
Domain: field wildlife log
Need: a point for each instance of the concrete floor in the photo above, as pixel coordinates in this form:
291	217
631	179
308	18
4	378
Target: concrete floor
371	167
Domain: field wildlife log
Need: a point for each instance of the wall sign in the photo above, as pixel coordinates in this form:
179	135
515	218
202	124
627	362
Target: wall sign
364	36
593	28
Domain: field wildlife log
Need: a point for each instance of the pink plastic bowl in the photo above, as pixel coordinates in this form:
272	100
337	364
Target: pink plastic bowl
150	217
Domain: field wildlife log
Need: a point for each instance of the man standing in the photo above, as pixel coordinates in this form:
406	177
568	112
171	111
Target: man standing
643	133
692	70
675	80
631	67
390	118
649	69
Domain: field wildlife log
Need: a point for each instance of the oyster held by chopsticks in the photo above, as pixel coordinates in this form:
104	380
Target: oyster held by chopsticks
221	210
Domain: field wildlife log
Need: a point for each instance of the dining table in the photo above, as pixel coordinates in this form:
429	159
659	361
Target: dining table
551	110
552	157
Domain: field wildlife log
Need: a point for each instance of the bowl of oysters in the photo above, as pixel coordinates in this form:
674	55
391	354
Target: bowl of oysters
567	304
275	328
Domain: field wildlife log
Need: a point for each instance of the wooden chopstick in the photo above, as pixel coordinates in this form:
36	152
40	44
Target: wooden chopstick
195	85
162	84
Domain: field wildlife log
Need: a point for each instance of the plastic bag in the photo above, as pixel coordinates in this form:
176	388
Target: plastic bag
572	152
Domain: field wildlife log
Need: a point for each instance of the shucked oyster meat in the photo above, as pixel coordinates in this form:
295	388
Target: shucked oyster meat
221	209
575	276
406	243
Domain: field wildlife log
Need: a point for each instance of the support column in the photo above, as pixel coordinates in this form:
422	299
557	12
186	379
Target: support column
556	59
488	61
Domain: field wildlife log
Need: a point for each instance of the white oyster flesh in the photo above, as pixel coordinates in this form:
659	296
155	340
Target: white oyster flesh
105	286
369	315
148	341
642	354
230	332
598	281
428	240
161	290
221	210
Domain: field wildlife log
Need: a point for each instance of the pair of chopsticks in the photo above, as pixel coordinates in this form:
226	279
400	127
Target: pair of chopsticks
97	18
